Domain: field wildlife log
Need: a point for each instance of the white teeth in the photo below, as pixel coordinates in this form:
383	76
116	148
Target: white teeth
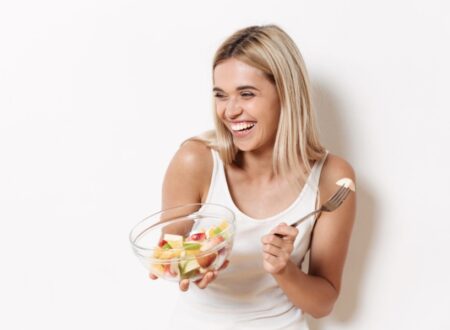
241	126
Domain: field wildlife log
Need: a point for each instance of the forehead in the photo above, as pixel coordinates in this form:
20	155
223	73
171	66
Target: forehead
233	72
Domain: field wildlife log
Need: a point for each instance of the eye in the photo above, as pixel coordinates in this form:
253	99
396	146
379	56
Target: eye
247	94
219	96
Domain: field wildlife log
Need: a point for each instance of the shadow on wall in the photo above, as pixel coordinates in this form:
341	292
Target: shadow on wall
334	135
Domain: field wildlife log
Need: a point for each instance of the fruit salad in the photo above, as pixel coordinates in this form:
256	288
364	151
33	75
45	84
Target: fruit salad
179	257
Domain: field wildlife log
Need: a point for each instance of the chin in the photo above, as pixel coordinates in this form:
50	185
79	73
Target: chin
243	146
246	147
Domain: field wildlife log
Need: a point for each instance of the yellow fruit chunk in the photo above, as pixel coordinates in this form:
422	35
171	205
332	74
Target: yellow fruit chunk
169	254
192	252
223	225
177	253
165	255
212	232
157	252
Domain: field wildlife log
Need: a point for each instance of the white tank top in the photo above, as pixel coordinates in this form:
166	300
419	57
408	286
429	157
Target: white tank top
244	295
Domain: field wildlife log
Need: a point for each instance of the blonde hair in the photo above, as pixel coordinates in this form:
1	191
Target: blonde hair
269	49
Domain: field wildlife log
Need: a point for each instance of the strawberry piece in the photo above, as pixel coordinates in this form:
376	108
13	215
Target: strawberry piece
164	245
198	236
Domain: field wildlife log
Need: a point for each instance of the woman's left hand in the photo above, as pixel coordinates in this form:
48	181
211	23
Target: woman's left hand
277	250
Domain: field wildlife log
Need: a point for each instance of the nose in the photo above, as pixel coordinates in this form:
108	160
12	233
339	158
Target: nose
233	109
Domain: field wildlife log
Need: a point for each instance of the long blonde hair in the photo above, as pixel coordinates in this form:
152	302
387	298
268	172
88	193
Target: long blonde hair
269	49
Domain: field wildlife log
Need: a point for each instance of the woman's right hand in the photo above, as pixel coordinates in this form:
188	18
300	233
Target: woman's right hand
201	283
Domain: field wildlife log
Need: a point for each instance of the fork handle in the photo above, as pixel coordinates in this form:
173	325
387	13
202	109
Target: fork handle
296	223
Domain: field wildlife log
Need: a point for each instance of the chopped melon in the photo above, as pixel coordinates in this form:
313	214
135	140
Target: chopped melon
191	246
188	266
175	241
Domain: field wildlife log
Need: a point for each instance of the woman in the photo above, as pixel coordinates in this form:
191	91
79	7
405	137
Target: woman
265	162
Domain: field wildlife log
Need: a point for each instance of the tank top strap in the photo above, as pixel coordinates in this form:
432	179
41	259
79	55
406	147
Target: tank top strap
217	164
216	157
314	178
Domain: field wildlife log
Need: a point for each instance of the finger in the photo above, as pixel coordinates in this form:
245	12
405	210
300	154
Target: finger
288	232
272	240
224	265
270	259
284	252
205	280
184	285
152	276
272	250
276	261
273	265
208	278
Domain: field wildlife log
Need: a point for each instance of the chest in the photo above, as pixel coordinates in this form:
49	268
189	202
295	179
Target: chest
261	200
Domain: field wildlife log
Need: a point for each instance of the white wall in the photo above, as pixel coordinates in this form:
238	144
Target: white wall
95	97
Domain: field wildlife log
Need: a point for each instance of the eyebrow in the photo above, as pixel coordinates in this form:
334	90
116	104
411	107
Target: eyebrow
239	88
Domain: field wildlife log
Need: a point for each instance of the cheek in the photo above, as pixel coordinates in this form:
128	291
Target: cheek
275	114
272	119
219	111
218	108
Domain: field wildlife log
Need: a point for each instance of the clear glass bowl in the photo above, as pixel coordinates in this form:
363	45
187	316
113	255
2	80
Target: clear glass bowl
184	242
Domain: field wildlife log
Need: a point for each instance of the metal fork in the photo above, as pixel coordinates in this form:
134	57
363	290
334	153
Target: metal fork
330	205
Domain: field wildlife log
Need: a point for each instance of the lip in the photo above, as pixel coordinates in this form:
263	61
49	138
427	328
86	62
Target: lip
241	121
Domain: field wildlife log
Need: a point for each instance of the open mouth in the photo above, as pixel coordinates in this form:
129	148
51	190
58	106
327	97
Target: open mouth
242	127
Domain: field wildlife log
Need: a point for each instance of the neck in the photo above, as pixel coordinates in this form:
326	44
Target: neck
257	165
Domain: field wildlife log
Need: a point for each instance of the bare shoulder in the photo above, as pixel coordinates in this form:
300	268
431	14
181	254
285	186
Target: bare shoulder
188	175
334	168
194	156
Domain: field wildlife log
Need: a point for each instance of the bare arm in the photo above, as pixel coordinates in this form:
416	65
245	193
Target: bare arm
316	292
188	175
187	181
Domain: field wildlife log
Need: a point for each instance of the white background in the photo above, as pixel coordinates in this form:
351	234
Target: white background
95	97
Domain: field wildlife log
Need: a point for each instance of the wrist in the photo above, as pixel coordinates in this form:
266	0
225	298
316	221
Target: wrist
286	271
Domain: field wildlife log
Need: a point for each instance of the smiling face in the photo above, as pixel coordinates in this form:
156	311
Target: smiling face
247	103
